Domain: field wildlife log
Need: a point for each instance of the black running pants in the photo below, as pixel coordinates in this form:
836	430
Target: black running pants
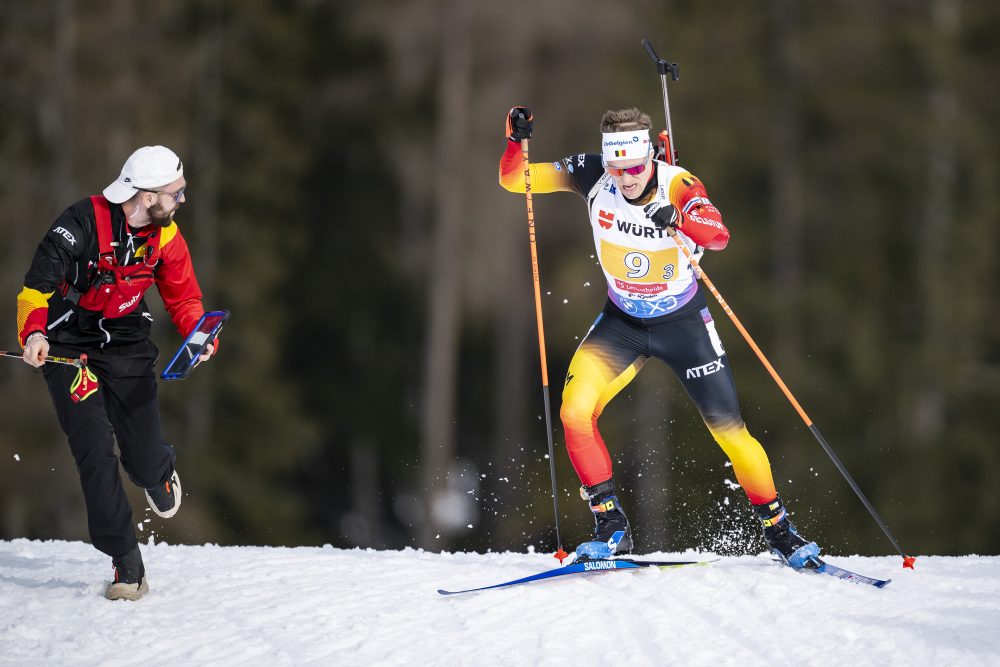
123	408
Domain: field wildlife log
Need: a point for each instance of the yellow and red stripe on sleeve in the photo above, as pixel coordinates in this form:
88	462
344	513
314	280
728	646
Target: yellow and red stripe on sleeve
32	312
545	177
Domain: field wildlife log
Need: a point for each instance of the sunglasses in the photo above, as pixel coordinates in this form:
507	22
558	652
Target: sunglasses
176	196
632	171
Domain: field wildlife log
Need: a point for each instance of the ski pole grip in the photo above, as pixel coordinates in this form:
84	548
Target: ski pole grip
652	54
662	66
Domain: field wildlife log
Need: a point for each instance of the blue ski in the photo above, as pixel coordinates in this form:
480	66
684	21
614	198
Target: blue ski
821	566
582	567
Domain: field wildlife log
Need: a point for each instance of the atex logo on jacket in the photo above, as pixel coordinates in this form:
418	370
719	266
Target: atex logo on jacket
63	232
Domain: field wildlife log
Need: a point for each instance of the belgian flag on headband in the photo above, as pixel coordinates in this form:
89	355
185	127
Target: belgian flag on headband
619	153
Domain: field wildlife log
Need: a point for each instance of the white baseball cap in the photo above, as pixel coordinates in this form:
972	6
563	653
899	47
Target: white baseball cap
148	168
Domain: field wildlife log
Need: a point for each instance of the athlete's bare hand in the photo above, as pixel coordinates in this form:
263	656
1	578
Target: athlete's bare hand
36	350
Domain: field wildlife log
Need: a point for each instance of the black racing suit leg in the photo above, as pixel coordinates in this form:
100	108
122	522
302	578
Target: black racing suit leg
688	343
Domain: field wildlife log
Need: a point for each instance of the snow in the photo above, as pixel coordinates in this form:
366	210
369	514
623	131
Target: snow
291	606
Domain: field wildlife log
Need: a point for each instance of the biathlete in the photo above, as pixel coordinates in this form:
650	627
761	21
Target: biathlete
655	308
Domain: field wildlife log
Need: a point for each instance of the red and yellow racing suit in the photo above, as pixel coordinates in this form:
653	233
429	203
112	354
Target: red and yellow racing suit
654	308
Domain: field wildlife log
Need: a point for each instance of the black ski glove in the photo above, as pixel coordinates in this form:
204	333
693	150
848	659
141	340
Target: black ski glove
663	216
519	124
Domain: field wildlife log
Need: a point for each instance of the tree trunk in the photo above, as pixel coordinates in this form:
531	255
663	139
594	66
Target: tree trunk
121	91
786	184
60	103
364	525
927	421
441	347
204	223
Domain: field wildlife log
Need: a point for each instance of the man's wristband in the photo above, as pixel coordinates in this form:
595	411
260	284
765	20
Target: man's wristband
33	334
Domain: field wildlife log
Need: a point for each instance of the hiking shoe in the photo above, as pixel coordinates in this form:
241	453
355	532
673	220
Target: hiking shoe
612	534
782	537
165	498
130	577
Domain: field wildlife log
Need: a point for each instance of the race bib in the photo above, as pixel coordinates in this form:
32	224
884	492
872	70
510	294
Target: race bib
640	271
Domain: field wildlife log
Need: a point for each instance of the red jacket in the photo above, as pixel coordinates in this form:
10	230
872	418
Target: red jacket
65	264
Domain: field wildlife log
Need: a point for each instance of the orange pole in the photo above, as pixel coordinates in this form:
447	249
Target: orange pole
534	262
559	554
739	325
908	561
670	156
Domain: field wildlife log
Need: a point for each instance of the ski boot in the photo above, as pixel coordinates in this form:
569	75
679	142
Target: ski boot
612	534
782	538
130	577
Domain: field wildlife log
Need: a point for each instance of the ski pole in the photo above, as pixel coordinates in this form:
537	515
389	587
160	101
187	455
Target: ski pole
49	360
560	554
908	561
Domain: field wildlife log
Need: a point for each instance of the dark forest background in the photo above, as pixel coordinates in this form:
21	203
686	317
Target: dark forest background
378	384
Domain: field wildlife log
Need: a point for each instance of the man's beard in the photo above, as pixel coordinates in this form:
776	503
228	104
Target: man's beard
159	215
